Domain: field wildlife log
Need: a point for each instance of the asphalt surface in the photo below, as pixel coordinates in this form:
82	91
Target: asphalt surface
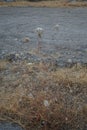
70	40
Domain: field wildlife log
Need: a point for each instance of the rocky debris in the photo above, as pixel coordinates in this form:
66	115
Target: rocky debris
12	57
50	62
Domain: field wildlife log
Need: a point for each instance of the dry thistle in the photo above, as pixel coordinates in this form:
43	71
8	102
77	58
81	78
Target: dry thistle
39	31
55	28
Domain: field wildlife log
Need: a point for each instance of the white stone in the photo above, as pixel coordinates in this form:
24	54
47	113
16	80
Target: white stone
46	103
69	60
56	26
30	63
30	95
26	39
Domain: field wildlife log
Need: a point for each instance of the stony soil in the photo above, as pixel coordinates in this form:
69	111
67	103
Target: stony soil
46	89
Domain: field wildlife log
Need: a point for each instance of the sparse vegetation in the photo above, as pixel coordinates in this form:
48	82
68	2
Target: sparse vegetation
40	95
3	64
39	32
30	85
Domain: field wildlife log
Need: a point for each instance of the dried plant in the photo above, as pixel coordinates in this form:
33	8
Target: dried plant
39	32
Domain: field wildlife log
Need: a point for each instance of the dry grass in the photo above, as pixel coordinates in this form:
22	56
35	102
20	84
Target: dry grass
25	88
44	4
3	65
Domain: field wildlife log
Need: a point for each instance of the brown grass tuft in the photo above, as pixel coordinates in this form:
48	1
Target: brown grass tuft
27	87
3	65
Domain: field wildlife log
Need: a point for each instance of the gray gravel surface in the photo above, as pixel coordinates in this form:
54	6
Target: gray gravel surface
9	126
70	41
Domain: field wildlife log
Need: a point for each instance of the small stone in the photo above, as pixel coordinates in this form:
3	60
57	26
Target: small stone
20	99
30	95
73	56
26	39
71	90
69	60
66	119
15	39
46	103
18	73
56	27
30	63
17	55
43	123
55	99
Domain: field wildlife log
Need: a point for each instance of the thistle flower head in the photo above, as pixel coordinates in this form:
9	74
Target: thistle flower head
39	31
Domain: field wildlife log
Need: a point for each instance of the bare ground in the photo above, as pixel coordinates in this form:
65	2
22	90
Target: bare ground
43	95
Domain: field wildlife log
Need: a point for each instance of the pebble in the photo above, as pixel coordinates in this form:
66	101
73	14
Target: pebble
46	103
30	95
30	63
56	27
15	39
26	39
69	60
17	55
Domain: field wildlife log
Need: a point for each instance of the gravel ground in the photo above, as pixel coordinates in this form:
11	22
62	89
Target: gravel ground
69	44
9	126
